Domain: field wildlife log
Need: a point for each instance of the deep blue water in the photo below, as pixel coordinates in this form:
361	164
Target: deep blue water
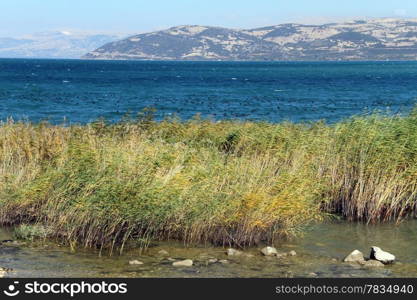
82	91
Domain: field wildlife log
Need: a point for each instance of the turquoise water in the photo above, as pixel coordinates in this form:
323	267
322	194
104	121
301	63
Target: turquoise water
82	91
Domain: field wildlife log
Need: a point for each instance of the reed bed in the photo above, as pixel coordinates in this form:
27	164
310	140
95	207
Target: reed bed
226	183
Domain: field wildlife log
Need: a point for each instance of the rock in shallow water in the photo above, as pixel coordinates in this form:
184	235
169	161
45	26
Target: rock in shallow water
373	264
183	263
163	253
233	252
382	256
281	255
4	272
135	262
269	251
355	256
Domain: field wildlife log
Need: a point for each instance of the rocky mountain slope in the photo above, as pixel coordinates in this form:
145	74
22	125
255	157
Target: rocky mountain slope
380	39
61	44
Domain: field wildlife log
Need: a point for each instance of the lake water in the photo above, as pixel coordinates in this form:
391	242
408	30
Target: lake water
82	91
320	251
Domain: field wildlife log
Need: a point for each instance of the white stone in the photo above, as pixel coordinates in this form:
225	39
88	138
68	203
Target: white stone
269	251
183	263
355	256
382	256
135	262
233	252
163	252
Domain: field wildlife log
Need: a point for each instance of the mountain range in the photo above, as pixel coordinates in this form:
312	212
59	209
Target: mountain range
379	39
56	44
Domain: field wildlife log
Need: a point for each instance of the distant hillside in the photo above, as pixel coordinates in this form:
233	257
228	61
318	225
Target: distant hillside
381	39
53	45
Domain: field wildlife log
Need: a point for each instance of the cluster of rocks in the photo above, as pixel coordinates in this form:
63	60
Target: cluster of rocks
175	263
215	260
267	251
271	251
377	258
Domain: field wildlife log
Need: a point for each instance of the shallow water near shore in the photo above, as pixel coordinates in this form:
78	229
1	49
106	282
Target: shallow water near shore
319	251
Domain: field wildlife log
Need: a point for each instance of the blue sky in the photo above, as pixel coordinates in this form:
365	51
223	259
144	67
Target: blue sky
134	16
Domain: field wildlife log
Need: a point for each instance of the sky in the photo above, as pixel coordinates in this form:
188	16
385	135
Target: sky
19	17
